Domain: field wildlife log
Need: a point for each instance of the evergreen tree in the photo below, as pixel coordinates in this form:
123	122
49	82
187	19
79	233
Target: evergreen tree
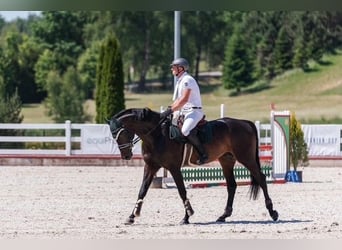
109	80
300	58
283	51
238	67
298	147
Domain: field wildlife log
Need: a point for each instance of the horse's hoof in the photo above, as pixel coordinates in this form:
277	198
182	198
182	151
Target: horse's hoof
275	215
221	219
184	222
129	221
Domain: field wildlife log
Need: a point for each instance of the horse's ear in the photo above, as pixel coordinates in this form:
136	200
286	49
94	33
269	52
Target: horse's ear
146	111
107	121
143	114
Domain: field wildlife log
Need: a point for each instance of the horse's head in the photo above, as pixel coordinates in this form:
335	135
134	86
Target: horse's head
123	137
129	122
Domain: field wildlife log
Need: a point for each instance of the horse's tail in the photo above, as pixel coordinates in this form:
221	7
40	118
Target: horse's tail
255	186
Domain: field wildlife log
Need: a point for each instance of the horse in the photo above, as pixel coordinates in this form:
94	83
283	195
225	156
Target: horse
231	140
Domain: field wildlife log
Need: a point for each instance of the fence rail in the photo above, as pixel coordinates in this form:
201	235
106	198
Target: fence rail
63	144
67	139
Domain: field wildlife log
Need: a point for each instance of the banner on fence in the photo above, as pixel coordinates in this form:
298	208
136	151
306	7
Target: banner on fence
97	139
323	140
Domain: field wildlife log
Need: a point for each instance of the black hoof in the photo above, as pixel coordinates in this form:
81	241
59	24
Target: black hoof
184	222
129	221
275	215
221	219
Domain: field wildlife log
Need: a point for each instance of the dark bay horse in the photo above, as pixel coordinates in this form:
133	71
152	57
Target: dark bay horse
232	140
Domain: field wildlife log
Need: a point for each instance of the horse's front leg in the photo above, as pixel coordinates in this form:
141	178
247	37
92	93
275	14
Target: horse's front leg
178	178
147	180
227	162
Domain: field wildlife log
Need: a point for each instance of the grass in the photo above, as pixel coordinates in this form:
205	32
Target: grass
315	97
35	113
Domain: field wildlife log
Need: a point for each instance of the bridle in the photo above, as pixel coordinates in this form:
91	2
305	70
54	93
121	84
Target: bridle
130	144
117	128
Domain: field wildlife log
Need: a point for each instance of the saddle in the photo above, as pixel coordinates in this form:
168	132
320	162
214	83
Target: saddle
204	131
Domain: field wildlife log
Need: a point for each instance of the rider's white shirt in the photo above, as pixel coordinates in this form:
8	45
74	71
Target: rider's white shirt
186	81
192	116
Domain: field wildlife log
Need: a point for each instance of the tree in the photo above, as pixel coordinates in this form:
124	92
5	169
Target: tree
87	68
29	52
109	80
298	146
47	62
65	97
283	51
9	64
10	112
60	34
238	67
300	58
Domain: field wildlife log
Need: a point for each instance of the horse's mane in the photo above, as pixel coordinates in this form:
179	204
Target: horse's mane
141	114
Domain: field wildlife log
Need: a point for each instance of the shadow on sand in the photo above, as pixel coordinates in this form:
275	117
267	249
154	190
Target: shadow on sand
245	222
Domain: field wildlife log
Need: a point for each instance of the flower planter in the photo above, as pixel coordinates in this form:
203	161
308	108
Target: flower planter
294	176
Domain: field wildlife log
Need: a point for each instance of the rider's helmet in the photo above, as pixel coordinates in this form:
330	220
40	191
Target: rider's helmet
181	62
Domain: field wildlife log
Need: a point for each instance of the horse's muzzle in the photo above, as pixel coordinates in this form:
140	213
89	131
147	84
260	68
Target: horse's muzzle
126	157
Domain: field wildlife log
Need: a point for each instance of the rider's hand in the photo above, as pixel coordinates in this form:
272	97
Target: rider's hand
166	113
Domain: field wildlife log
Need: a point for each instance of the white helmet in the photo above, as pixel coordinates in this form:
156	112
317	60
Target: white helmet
181	62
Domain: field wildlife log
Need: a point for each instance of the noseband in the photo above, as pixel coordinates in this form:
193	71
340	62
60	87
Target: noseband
116	129
130	144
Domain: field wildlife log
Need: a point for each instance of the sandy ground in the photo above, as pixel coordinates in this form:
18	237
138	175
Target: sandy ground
94	202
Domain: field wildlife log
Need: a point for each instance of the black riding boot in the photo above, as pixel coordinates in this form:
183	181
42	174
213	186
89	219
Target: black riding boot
194	140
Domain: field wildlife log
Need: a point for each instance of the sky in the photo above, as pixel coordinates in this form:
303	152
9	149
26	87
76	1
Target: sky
11	15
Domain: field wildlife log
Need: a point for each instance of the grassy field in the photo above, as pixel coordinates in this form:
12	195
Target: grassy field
315	97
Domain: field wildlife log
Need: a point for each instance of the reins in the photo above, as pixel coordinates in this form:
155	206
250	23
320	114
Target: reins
137	139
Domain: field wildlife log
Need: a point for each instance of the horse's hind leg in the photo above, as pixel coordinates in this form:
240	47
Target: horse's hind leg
178	178
259	179
227	162
268	202
147	180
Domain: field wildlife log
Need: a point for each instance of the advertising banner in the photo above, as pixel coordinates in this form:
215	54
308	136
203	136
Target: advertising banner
323	140
97	139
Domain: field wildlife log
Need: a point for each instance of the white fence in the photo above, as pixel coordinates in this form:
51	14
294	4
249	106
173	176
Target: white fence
66	139
89	139
324	141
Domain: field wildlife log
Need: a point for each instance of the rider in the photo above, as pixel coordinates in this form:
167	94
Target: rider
187	99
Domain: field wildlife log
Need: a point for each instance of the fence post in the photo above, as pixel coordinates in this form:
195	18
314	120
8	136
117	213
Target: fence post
67	137
257	125
222	111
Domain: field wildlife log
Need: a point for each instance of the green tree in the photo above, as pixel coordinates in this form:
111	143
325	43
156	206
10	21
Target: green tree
300	58
10	107
9	63
10	112
146	30
65	97
109	80
238	67
60	33
298	146
47	62
29	52
87	68
283	51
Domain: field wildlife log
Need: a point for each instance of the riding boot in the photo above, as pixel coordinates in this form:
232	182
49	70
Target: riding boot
194	140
